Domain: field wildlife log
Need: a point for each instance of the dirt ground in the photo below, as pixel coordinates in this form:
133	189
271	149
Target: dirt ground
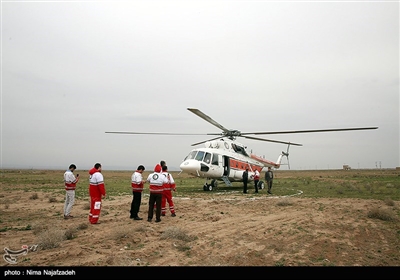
233	229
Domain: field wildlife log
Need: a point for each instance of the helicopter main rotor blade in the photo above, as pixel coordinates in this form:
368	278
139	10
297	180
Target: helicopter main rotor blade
312	130
154	133
166	133
207	118
206	141
275	141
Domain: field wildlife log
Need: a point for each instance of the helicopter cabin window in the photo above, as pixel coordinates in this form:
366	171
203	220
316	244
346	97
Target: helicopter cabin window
214	159
207	158
200	156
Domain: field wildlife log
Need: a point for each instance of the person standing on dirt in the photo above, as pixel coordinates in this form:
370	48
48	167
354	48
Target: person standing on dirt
269	177
156	180
70	185
167	193
161	164
256	180
137	183
245	177
97	192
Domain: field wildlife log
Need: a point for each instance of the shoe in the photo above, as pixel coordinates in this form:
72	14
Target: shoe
158	220
149	220
137	218
163	214
256	192
269	192
68	217
173	215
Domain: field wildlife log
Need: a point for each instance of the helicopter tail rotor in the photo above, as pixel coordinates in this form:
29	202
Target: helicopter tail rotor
286	154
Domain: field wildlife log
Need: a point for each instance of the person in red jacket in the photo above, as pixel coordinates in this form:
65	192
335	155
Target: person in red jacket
70	185
256	179
156	180
137	183
97	192
167	193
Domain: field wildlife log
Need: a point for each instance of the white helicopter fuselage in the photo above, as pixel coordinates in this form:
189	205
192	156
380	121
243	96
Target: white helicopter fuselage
224	158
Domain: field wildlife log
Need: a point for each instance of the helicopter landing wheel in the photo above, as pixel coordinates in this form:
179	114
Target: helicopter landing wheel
205	187
210	187
260	185
214	183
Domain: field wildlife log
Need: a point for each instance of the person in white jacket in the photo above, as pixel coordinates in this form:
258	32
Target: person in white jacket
156	180
137	184
70	182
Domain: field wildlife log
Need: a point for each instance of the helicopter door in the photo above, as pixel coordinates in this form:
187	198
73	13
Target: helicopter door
225	164
216	166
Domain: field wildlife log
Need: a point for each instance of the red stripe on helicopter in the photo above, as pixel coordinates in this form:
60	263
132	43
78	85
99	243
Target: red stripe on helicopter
241	165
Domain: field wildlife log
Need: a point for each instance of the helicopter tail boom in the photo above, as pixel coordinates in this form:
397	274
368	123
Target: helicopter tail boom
268	163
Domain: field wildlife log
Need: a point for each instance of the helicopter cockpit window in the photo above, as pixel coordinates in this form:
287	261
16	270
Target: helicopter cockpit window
207	158
199	156
191	155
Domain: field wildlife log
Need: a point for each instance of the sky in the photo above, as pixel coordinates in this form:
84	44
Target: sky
72	70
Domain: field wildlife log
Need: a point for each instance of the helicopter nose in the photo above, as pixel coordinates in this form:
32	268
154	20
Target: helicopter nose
190	166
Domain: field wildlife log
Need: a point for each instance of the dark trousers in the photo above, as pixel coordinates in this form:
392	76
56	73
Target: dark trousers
135	205
244	187
155	198
269	183
256	185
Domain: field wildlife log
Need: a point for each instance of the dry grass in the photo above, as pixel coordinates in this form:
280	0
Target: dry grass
181	236
34	196
51	238
389	202
177	233
382	214
121	233
71	233
285	201
37	228
82	226
86	206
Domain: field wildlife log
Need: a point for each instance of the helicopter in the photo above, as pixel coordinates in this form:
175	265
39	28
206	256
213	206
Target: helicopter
224	159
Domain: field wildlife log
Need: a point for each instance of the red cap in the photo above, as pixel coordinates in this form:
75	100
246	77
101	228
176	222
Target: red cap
157	168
